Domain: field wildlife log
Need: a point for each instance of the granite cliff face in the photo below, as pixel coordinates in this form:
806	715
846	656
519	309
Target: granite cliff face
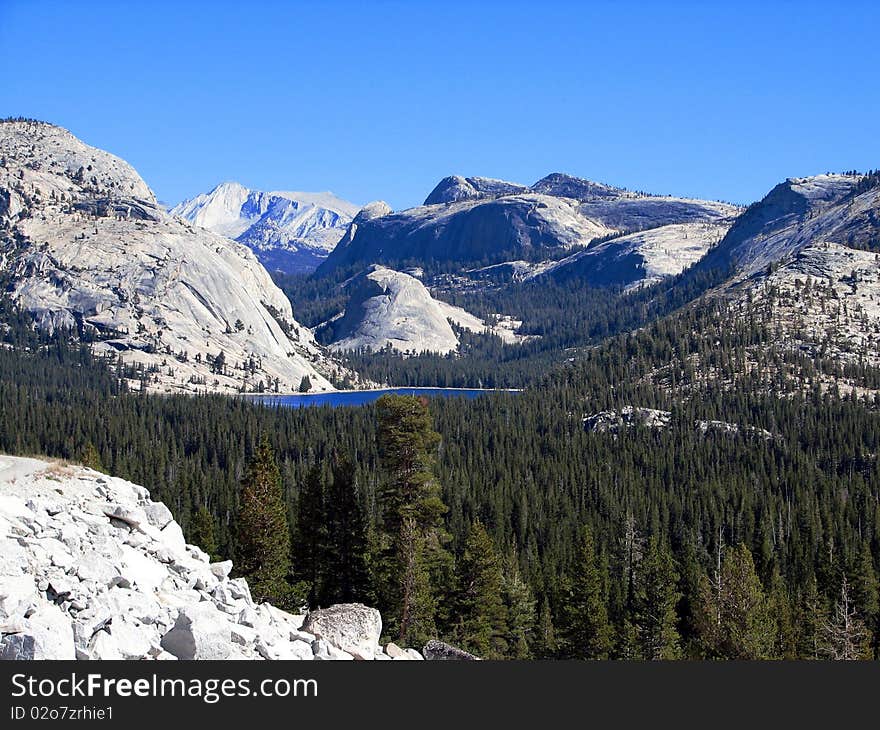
797	213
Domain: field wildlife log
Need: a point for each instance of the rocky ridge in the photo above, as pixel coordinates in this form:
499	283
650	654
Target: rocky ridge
475	220
616	420
807	259
94	569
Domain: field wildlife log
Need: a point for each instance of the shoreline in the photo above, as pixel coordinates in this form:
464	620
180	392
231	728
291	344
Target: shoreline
377	390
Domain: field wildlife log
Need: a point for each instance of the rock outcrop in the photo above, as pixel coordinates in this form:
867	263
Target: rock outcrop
388	308
642	258
92	568
806	258
626	417
441	651
797	214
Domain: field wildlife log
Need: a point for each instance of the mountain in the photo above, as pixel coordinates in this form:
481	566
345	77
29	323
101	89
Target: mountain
808	256
841	209
288	231
454	188
481	221
640	258
388	308
85	246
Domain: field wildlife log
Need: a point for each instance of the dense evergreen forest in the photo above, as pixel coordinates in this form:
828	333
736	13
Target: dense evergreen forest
523	533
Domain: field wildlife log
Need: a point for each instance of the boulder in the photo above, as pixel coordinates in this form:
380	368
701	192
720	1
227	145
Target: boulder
88	622
21	647
18	593
243	635
61	587
57	552
142	572
438	650
249	616
132	639
323	651
157	514
172	536
103	646
351	627
239	589
222	569
45	634
196	553
320	649
200	632
284	650
15	560
395	652
130	516
97	568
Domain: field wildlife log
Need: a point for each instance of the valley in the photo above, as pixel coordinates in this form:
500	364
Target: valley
580	408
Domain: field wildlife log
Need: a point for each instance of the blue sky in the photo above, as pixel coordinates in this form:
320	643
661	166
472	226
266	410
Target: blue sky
379	100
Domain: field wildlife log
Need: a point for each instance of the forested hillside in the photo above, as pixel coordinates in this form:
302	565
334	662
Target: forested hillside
642	541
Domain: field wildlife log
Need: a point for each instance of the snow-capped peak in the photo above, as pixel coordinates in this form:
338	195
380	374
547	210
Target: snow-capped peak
288	230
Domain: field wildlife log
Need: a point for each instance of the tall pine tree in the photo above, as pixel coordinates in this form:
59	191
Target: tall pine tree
346	578
412	555
656	600
735	619
263	545
588	633
481	610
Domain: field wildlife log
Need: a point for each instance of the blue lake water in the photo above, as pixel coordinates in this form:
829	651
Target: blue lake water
361	397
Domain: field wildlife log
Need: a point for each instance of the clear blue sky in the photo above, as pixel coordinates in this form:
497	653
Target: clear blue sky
381	99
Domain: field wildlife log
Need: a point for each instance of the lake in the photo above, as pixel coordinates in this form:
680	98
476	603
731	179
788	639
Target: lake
362	397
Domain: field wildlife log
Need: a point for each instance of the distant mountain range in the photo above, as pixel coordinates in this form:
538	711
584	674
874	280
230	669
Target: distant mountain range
476	221
290	232
84	246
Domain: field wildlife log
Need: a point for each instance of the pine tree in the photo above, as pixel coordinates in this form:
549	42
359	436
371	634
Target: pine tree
588	632
520	605
811	618
780	609
481	610
310	549
202	532
865	595
346	578
91	458
657	597
263	545
412	542
735	620
547	646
